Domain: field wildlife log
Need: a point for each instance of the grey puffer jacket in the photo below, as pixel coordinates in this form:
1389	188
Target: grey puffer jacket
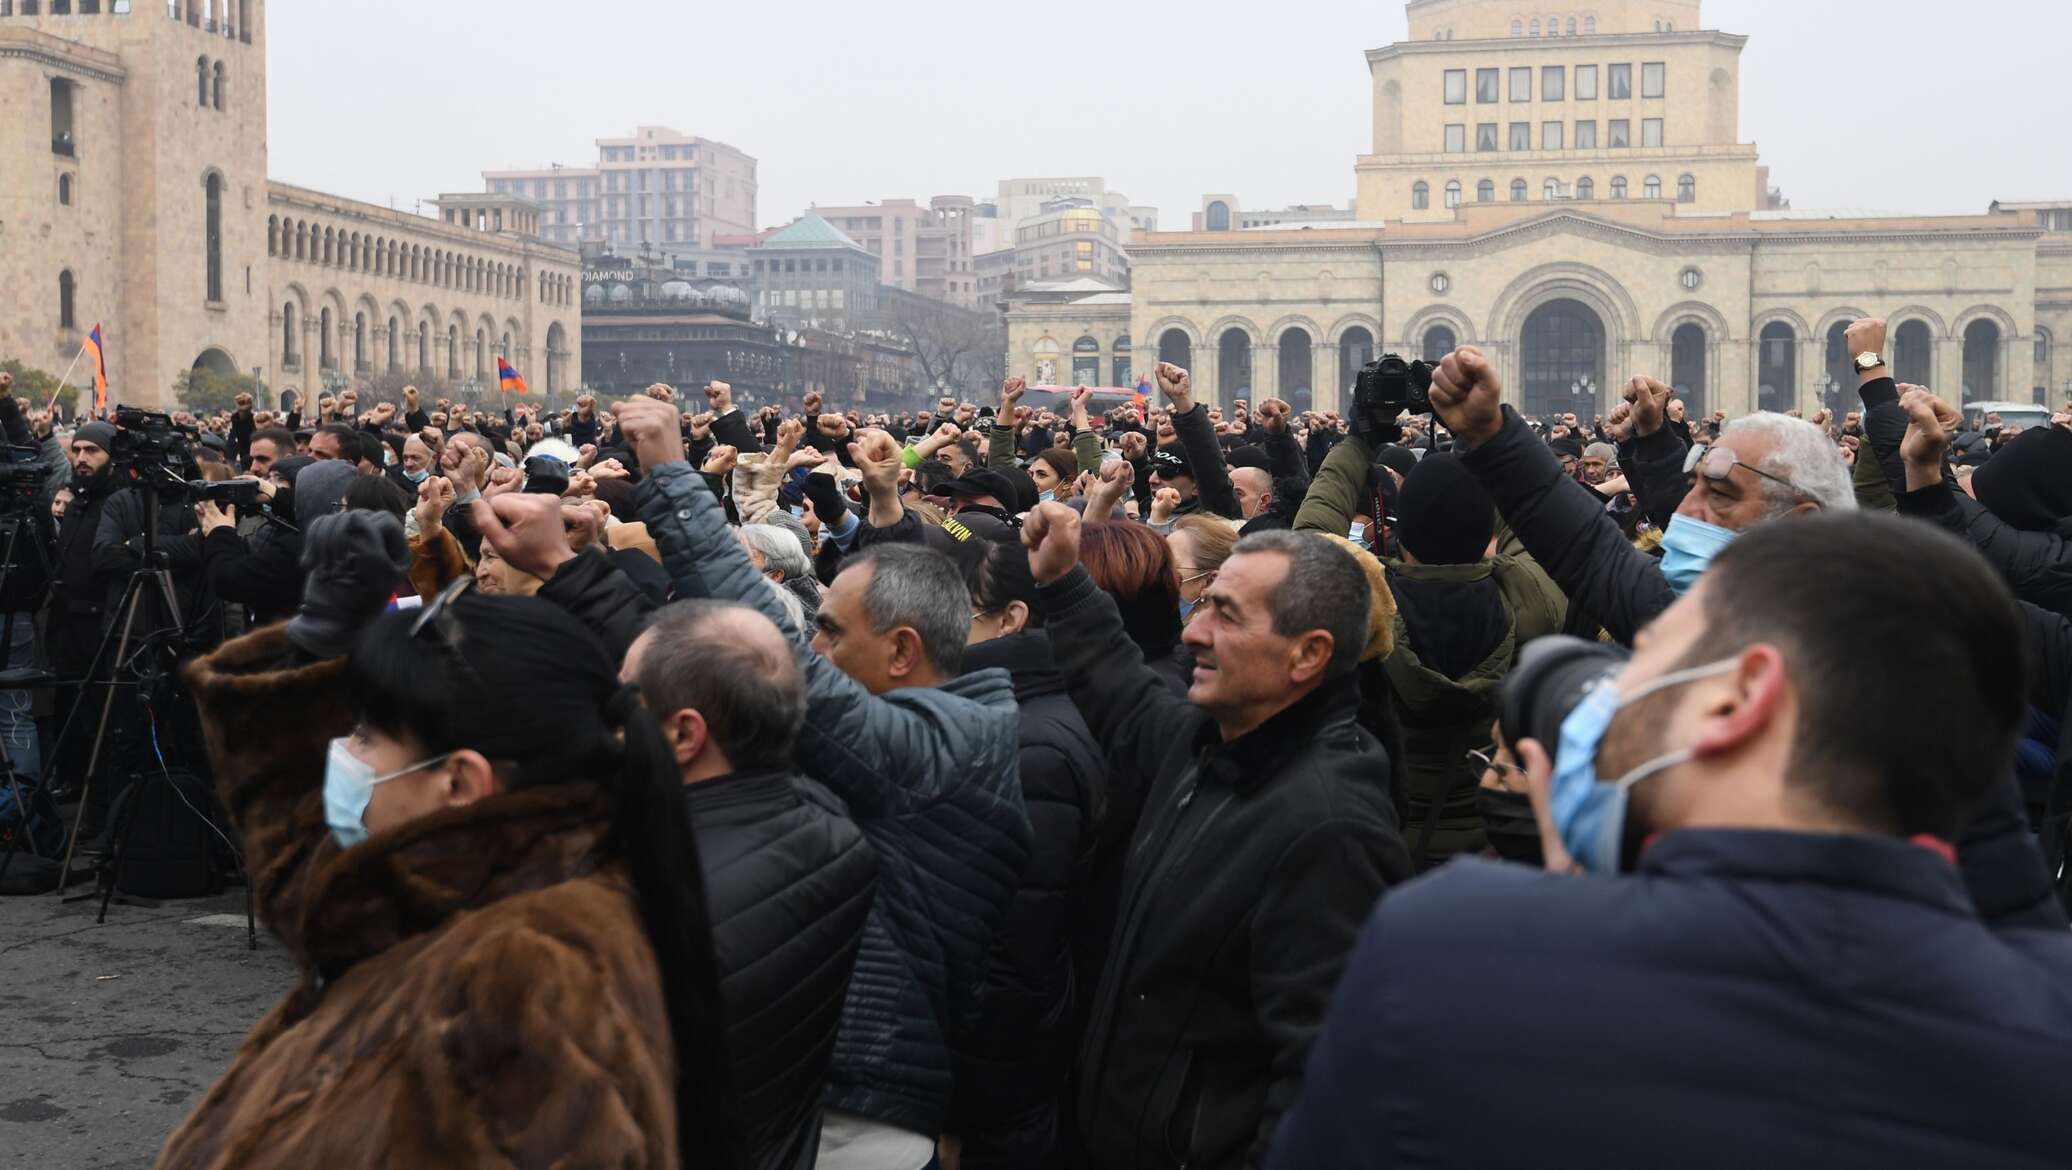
931	776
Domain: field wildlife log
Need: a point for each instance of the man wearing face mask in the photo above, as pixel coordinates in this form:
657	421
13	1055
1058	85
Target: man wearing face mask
1775	955
1764	466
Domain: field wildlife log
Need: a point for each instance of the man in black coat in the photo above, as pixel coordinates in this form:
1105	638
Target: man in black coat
788	874
1781	954
1266	837
78	596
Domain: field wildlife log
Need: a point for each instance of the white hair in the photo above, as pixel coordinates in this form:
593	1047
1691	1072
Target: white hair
793	607
1803	454
781	550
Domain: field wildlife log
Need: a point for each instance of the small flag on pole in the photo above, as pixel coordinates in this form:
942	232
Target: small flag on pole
100	356
507	378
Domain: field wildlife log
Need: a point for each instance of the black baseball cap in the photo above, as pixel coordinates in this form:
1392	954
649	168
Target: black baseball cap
1171	460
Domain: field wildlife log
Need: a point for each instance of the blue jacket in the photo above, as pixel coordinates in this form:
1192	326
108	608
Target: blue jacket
931	777
1746	999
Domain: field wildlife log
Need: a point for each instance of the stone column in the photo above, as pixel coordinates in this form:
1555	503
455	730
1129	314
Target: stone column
1266	372
1325	392
1205	385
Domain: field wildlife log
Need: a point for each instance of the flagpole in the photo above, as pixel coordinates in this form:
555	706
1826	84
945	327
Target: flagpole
65	377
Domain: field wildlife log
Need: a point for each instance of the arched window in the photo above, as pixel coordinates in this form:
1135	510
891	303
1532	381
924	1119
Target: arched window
1618	186
1517	190
1777	368
1589	25
67	287
219	85
1551	189
1439	341
1174	347
1517	28
1355	349
201	83
1689	353
273	235
212	229
1420	195
1571	26
1535	26
1217	217
1981	360
64	190
1453	193
325	360
1687	189
1234	364
1651	188
1485	192
1586	188
288	357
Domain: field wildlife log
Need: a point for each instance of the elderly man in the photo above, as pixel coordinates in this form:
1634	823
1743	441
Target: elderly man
1763	467
1267	834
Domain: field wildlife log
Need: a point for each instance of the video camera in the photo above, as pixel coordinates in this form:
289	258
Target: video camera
22	477
150	438
1388	387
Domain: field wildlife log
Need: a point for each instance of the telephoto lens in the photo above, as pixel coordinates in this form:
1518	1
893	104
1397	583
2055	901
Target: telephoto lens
1551	677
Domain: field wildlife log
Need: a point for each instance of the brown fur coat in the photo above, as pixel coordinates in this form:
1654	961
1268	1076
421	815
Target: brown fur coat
476	989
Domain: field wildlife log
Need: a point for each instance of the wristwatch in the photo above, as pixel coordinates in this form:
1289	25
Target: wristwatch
1866	362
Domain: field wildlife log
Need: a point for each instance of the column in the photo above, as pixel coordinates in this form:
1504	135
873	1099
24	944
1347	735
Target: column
1205	387
1325	390
1266	372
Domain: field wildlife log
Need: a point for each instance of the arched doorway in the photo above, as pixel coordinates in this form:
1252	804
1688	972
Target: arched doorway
1561	358
1982	361
1687	359
1355	349
215	361
1176	349
1295	370
1777	378
1840	383
1233	365
1439	341
1913	353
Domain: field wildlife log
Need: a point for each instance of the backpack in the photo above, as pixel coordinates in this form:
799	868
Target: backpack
174	838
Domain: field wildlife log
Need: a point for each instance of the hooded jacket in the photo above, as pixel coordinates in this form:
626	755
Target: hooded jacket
475	989
1253	867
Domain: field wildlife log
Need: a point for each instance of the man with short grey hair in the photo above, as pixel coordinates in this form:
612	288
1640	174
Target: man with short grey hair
1267	834
789	876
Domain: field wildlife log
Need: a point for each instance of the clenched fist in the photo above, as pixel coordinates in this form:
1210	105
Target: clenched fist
1468	396
1177	385
1051	533
1650	401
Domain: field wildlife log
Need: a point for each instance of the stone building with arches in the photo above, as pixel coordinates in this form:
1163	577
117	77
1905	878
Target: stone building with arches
1648	243
138	199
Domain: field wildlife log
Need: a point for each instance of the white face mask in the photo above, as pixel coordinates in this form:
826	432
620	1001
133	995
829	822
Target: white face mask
349	784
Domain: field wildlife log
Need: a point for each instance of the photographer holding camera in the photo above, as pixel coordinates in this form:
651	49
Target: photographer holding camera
1775	954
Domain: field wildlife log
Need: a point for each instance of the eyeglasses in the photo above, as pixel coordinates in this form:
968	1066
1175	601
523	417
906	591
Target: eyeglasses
434	616
1195	576
1485	760
1719	462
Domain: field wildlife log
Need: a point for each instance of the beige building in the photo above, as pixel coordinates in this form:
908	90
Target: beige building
1576	266
925	250
137	198
658	187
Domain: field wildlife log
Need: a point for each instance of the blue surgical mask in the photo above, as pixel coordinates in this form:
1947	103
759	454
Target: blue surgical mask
349	784
1589	813
1046	497
1688	547
418	476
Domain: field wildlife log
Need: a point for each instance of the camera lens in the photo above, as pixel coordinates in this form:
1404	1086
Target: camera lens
1551	677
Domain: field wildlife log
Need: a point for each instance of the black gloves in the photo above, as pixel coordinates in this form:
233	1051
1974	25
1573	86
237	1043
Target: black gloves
355	561
826	496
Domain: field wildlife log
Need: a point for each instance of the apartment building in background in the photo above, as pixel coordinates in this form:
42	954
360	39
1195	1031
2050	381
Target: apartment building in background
658	187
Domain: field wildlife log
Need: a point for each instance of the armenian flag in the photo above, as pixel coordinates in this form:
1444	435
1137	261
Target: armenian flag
100	356
507	378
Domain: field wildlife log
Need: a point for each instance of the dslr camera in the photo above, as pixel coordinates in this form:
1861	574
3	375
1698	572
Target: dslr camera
1550	680
1387	388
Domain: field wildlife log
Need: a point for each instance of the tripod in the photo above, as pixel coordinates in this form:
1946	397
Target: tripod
16	679
150	585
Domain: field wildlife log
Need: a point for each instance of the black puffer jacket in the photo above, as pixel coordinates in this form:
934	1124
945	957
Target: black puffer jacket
1566	529
1011	1064
262	572
1254	867
2036	565
790	880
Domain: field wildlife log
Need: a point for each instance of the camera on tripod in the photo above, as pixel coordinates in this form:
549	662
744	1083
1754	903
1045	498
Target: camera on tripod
156	451
1387	388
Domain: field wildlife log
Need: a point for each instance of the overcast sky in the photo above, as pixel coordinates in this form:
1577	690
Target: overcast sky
1906	105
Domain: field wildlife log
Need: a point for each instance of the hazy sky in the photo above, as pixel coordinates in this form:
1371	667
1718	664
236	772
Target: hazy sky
1906	105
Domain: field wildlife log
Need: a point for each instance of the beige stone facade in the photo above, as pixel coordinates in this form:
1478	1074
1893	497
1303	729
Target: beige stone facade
1738	305
137	198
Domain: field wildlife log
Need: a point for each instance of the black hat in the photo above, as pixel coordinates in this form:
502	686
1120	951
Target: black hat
1249	457
1401	460
1567	445
2028	482
1443	517
981	481
1171	460
100	434
1025	493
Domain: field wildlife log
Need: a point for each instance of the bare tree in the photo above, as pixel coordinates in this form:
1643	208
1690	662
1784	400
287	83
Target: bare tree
954	348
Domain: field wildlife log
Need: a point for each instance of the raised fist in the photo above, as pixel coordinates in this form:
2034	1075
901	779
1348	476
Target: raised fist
721	395
1011	392
1930	423
1650	401
1467	396
1177	385
1865	336
1273	415
1051	534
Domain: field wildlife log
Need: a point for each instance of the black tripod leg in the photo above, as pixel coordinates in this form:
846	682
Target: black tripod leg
131	598
118	837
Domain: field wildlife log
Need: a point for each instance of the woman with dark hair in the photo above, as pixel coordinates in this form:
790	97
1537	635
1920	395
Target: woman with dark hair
472	841
376	493
1011	1061
1132	564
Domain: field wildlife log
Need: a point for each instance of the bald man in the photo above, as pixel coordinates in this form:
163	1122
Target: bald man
1254	489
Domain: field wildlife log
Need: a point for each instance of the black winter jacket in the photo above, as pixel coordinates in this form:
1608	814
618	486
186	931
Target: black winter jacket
1566	529
2036	565
262	572
789	879
1213	493
1011	1063
1251	872
78	592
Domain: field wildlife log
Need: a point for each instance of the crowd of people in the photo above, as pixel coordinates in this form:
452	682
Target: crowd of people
686	782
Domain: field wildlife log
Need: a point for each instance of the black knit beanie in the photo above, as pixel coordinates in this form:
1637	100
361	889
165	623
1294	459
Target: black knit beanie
1443	517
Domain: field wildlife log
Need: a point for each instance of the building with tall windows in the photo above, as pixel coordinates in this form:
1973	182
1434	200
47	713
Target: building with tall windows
658	186
1568	187
137	199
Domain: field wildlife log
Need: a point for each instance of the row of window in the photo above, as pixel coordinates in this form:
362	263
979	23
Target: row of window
1618	135
1554	26
1585	188
1554	83
327	359
302	240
